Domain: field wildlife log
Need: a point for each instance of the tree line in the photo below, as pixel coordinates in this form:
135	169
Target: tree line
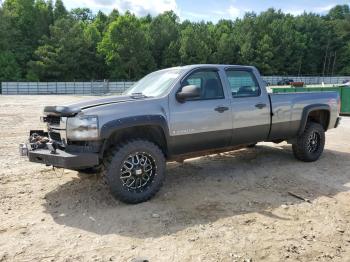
43	41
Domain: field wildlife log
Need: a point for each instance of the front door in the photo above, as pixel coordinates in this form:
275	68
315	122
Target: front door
204	122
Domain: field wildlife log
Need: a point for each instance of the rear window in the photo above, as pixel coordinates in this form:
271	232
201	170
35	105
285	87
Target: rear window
242	83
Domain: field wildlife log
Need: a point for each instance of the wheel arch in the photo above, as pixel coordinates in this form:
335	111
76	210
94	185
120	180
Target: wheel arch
150	127
319	113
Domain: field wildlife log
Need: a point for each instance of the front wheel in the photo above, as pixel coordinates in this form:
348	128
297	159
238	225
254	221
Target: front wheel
310	144
135	171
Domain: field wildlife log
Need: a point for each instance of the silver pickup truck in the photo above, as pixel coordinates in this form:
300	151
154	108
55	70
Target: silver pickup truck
175	114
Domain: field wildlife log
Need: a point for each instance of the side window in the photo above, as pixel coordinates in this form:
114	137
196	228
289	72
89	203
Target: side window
242	83
208	82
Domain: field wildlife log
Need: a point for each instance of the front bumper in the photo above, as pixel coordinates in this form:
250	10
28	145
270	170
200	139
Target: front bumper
63	159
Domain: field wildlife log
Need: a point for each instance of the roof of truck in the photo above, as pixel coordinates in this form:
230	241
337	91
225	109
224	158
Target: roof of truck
214	65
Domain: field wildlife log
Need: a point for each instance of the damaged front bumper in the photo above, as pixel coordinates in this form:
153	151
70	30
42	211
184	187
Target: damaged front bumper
63	159
58	157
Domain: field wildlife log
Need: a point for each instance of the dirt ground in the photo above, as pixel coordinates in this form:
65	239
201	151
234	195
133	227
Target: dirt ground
228	207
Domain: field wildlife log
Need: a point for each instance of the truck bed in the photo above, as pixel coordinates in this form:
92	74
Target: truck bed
287	111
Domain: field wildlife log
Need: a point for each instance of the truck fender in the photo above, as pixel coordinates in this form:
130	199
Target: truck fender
112	126
306	112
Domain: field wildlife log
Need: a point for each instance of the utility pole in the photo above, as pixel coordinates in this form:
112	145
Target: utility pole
301	61
329	63
325	59
334	60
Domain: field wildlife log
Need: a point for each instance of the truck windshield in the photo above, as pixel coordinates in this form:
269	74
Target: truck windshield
154	84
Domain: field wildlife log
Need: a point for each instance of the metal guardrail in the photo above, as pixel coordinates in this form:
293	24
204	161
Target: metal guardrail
106	87
308	80
64	88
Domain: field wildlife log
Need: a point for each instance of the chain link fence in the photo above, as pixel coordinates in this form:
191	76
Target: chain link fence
106	87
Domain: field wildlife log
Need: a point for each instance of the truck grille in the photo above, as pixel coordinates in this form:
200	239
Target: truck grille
55	136
53	120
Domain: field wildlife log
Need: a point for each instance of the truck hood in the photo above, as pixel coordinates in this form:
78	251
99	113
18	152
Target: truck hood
75	108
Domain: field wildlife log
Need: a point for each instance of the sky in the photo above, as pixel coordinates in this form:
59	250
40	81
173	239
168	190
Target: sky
207	10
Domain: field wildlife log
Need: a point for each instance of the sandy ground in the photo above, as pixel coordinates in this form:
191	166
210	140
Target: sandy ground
228	207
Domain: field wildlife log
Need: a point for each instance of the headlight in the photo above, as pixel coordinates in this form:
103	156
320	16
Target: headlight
82	128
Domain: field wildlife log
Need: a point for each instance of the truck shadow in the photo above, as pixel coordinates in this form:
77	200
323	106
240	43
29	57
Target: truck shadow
202	191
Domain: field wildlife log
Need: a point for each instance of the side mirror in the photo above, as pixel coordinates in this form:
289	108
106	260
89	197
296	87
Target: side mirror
187	92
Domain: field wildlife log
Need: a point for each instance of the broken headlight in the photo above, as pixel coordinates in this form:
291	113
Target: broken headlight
82	128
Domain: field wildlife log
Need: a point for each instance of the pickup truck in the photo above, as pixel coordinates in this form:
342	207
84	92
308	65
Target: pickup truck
176	114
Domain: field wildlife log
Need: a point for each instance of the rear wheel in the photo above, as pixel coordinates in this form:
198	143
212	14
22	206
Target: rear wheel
135	171
310	144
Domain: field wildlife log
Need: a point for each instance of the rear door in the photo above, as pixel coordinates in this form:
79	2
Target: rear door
202	123
250	106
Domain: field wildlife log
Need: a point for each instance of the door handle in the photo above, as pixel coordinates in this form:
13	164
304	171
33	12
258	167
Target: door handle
260	105
221	109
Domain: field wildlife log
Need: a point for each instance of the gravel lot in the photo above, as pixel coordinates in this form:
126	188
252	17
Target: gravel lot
227	207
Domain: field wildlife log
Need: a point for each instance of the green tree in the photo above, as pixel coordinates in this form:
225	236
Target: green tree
339	12
82	14
113	16
101	22
289	45
60	10
44	17
246	37
265	55
226	47
20	32
317	35
194	48
164	34
337	51
10	70
126	49
39	41
93	37
171	54
68	54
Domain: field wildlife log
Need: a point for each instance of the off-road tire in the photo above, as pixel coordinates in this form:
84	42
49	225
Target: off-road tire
301	148
113	163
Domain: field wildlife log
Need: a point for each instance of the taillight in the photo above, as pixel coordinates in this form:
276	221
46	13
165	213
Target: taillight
339	104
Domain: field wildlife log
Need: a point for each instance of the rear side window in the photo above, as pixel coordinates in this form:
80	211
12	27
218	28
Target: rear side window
242	83
208	82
